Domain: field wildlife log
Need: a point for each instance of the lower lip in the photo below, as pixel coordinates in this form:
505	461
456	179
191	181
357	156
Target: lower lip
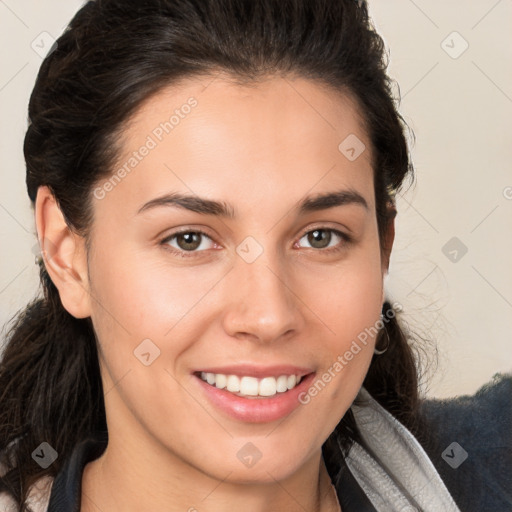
256	410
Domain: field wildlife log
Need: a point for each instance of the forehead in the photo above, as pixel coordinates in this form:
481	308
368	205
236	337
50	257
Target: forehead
280	137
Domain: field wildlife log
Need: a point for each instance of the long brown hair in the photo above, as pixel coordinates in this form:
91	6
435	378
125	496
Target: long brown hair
113	55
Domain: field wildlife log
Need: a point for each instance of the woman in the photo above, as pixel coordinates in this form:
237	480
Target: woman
213	185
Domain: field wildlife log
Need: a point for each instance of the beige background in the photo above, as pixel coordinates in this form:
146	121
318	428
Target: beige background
459	105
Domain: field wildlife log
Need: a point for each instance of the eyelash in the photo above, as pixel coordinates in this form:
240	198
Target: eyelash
187	254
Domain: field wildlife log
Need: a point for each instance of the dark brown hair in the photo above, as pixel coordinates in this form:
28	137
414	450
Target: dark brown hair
114	55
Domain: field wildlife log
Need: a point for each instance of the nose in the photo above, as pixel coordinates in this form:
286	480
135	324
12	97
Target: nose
262	305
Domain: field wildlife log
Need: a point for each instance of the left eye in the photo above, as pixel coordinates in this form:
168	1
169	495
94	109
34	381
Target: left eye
322	237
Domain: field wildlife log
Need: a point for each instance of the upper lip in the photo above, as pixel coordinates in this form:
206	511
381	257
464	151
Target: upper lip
250	370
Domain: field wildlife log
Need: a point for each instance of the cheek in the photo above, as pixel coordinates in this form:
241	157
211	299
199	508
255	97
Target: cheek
349	305
145	305
146	296
143	313
346	298
346	356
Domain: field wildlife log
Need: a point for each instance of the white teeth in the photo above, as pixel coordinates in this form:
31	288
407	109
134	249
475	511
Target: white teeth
251	386
221	381
233	383
282	383
268	386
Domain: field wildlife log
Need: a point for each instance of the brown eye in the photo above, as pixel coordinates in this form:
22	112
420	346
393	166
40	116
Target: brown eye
187	242
321	238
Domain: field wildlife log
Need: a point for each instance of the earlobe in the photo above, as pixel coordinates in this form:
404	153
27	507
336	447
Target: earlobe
63	253
387	245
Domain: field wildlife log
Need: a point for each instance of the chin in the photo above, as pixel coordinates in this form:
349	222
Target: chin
250	465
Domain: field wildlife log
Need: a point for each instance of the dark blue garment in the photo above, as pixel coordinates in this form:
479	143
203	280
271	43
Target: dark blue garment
481	425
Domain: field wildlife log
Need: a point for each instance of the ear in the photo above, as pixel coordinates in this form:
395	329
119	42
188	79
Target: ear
388	239
64	255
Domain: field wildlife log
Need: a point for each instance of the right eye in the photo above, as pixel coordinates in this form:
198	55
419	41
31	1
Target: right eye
187	242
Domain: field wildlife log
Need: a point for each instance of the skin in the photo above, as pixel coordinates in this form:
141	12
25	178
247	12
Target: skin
261	149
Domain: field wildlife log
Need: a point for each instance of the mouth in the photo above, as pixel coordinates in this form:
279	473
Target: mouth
251	387
254	394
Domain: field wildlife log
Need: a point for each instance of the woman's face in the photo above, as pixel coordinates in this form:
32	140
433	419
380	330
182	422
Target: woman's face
264	283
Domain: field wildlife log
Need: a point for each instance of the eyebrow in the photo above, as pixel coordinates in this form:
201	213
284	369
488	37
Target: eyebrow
222	209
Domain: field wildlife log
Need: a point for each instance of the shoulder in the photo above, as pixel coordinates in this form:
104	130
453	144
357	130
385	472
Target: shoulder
471	444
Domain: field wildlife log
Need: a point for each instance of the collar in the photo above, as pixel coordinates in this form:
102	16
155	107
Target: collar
390	465
67	485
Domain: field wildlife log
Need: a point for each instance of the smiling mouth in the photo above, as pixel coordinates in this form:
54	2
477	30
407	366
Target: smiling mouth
251	387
